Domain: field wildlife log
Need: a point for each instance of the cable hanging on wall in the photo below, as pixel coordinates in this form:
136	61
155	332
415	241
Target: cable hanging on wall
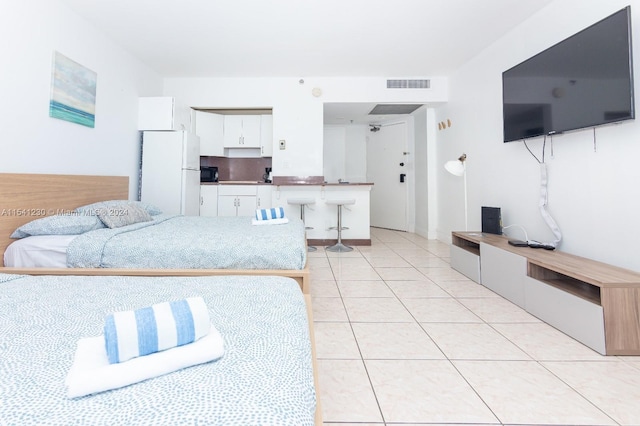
542	203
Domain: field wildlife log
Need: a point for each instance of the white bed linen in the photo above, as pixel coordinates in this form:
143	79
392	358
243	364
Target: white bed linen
38	251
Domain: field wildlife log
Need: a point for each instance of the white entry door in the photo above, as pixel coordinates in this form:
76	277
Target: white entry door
386	165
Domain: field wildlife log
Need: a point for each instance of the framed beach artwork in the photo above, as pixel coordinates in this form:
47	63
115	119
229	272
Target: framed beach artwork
73	92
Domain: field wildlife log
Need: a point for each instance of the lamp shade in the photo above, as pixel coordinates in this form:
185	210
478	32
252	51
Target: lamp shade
456	167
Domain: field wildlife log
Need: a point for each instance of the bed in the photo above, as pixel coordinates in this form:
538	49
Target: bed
26	197
266	375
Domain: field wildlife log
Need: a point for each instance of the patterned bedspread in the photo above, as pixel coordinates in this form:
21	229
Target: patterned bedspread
193	242
264	378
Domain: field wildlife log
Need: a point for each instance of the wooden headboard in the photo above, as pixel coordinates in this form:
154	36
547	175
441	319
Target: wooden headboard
25	197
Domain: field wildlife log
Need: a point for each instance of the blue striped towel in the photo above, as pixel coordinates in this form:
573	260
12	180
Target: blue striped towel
130	334
269	214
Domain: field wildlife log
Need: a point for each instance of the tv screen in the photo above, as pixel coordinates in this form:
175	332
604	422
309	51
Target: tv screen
583	81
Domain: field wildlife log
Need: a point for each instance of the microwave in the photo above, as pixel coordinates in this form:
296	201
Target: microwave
208	174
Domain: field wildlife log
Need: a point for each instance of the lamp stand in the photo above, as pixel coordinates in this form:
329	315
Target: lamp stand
466	222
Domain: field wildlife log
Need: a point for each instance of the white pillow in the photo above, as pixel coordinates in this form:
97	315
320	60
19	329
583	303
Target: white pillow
92	209
123	215
68	224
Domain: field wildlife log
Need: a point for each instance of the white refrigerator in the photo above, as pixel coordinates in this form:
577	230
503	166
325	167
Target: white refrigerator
171	171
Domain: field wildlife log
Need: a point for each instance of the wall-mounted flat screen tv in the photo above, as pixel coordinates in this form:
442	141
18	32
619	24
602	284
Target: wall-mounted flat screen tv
583	81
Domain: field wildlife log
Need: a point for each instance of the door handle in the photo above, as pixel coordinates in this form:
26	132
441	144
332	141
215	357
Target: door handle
402	176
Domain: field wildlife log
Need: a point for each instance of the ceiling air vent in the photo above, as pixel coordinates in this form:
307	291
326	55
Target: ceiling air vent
408	84
385	109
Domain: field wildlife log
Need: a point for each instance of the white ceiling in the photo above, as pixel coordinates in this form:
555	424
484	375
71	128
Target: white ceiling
299	38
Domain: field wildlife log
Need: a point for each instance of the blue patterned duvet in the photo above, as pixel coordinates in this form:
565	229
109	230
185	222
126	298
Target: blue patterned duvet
192	242
264	378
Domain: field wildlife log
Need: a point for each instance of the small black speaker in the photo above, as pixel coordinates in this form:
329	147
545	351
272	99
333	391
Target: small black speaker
491	220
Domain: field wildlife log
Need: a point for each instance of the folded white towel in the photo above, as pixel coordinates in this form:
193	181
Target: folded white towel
269	214
91	371
270	221
129	334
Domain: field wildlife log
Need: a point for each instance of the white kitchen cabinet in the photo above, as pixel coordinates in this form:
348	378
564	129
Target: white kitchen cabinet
210	128
264	193
266	136
162	113
236	200
208	200
236	205
246	205
227	205
242	131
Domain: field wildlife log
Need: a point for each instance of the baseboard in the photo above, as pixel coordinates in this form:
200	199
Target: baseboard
329	242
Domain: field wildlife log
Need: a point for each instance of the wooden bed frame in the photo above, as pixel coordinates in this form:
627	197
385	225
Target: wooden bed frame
26	197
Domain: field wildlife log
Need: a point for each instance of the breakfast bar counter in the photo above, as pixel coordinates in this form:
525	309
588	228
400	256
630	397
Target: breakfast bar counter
322	215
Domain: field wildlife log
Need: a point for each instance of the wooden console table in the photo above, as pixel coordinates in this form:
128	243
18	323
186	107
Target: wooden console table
595	303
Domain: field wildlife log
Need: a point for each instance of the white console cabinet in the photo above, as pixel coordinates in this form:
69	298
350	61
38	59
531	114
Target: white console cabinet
576	316
503	272
465	258
595	303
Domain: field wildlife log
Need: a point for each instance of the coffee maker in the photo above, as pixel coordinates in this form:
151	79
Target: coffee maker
267	176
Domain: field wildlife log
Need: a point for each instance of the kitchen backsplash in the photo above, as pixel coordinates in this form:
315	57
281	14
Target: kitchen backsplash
249	169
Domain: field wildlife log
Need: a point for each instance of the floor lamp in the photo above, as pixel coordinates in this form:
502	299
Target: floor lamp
458	168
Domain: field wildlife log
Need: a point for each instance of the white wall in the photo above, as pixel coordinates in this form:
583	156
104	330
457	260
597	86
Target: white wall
297	113
345	153
593	195
355	152
334	156
421	175
32	142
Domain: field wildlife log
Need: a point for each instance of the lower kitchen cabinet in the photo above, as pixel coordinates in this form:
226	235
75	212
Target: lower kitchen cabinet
234	200
237	200
236	205
264	193
208	200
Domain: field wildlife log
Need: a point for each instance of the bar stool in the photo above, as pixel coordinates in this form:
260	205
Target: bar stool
302	202
339	247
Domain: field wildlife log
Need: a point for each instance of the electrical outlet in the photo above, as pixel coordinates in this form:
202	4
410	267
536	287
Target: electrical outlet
282	143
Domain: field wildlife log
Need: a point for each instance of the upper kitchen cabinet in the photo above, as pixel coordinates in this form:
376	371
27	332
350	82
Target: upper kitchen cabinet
210	128
266	135
242	131
162	113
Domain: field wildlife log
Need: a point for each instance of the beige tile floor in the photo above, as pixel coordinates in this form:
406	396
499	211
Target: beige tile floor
404	339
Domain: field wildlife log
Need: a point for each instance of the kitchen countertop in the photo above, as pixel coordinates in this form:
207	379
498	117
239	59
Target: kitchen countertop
327	184
311	181
236	182
246	182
